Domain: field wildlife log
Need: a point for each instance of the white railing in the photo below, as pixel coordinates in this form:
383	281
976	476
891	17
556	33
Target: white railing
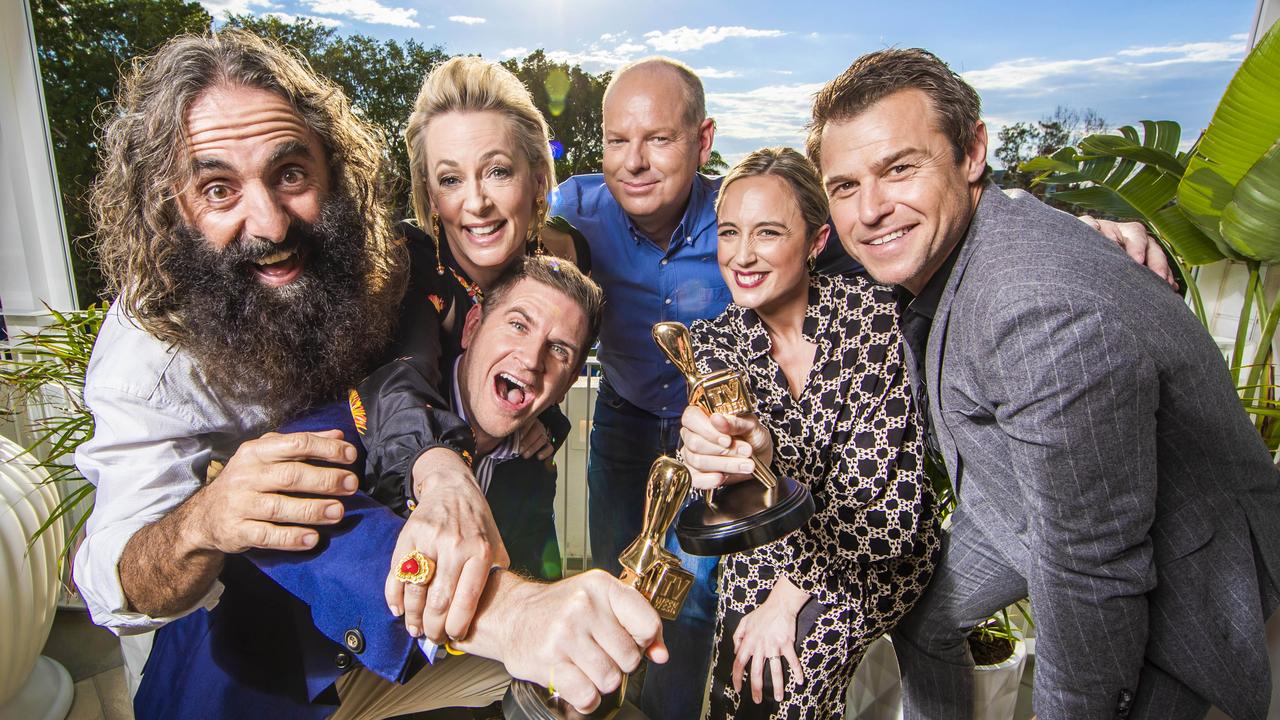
572	524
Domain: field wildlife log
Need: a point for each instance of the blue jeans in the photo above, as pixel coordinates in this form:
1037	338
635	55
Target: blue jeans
625	441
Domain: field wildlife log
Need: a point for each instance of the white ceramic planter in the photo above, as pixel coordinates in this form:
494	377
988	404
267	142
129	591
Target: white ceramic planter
31	686
876	692
995	687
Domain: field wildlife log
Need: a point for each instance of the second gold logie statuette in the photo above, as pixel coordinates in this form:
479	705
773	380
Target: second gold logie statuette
647	566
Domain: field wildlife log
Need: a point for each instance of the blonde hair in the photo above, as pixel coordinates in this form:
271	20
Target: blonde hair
145	162
796	171
473	84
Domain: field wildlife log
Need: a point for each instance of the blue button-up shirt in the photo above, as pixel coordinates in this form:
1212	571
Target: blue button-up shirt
644	284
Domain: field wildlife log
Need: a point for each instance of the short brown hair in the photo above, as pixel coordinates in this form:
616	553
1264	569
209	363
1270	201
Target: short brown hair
788	165
473	84
695	97
877	75
145	162
559	274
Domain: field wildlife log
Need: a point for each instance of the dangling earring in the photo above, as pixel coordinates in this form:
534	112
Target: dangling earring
533	242
437	234
811	262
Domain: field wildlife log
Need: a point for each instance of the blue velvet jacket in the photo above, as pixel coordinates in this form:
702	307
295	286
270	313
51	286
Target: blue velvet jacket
288	624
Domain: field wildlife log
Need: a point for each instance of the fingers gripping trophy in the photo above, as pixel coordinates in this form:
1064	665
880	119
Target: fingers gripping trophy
744	515
646	566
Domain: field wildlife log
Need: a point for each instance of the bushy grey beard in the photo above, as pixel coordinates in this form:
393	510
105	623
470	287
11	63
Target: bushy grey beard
285	348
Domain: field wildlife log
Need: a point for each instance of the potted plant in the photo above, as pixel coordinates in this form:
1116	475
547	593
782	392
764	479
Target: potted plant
44	370
42	382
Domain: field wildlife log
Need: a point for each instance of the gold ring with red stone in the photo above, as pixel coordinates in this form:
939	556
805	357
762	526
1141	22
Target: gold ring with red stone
415	569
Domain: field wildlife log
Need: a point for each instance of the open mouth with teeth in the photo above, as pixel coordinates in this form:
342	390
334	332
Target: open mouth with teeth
513	393
281	267
886	239
748	279
484	232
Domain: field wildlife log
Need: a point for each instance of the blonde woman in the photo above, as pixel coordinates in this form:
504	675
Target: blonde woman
481	166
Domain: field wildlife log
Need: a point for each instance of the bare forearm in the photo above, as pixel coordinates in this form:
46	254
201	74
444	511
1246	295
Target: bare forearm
490	631
161	571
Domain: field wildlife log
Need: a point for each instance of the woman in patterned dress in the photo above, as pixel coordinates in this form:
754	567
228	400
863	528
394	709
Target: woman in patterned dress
823	358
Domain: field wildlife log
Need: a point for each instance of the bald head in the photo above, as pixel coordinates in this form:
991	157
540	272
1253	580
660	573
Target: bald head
663	71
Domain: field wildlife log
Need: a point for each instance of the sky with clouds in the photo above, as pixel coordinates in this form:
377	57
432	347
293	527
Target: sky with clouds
762	60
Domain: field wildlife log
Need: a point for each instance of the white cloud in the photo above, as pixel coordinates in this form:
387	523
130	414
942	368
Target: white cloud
467	19
1039	76
1192	52
710	73
613	50
290	19
514	52
684	39
769	115
368	11
593	58
218	8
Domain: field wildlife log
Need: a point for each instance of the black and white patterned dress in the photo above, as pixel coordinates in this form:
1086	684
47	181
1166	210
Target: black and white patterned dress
853	437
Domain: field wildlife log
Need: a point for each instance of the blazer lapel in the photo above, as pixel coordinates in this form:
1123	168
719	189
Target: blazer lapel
936	348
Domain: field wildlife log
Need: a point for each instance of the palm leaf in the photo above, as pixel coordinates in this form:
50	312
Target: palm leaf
1184	238
1245	125
1251	221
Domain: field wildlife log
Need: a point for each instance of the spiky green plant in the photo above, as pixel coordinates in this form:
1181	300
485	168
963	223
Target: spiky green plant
44	371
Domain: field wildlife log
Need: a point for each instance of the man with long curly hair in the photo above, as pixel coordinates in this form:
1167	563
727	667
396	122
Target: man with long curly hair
241	222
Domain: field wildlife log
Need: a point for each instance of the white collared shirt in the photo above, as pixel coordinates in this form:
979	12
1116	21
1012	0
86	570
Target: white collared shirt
157	425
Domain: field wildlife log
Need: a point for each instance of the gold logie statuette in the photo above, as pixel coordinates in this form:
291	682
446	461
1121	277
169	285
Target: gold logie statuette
723	391
648	566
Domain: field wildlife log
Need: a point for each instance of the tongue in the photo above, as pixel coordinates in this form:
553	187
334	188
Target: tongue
515	395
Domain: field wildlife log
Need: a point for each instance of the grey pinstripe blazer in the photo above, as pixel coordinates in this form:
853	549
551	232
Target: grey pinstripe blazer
1091	426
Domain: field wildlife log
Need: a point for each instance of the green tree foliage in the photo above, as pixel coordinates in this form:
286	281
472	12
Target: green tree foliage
1022	141
571	100
382	78
82	45
715	164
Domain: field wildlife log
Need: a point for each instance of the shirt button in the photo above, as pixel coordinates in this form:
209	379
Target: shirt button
342	661
664	261
667	362
667	301
666	385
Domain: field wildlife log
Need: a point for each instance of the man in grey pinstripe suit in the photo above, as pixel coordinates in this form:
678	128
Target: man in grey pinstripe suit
1102	461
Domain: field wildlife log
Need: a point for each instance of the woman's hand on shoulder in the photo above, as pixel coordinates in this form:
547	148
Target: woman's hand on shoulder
722	449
